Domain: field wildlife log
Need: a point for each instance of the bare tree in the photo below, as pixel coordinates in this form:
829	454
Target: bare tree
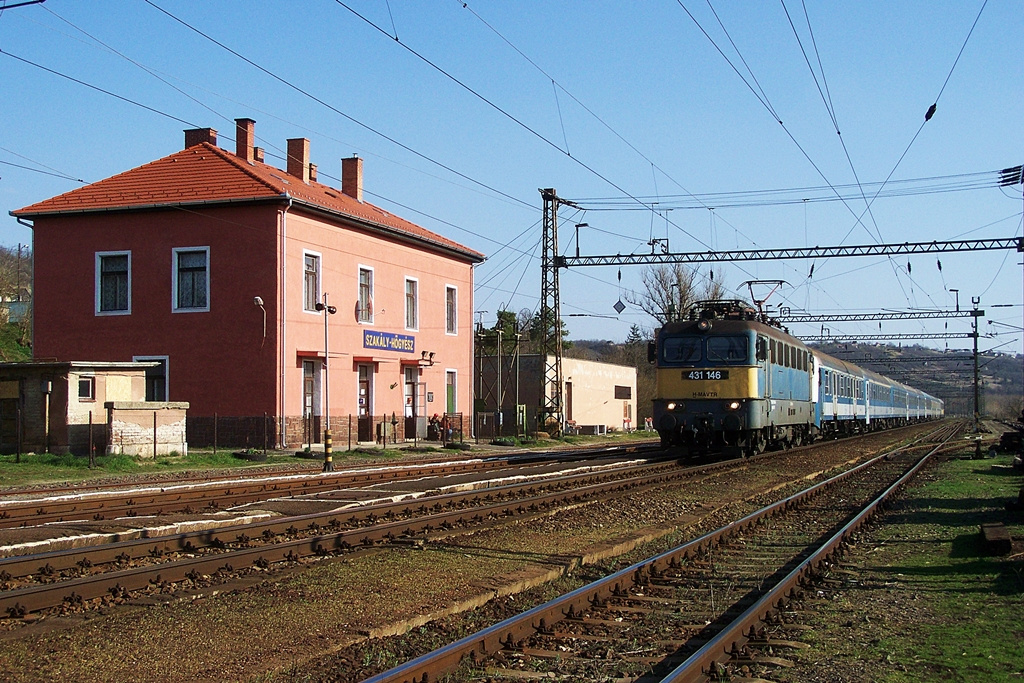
15	273
670	290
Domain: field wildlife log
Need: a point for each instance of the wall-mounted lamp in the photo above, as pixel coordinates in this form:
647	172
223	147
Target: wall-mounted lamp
426	357
258	302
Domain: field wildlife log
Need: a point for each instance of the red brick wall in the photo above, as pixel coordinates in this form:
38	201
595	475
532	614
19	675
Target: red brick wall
219	361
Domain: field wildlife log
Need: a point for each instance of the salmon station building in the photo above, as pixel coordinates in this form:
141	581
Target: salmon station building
263	298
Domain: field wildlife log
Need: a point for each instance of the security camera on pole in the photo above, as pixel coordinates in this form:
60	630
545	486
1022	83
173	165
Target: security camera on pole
327	310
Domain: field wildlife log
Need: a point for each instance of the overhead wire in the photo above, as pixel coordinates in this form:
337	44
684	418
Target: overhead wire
642	205
331	107
578	101
502	111
762	97
268	144
765	197
685	232
50	170
497	108
182	92
766	104
352	119
97	88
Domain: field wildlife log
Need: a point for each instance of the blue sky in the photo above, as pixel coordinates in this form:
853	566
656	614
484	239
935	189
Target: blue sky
668	117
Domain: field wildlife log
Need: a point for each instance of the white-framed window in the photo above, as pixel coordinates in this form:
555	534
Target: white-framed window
412	303
191	275
86	388
310	280
451	310
113	283
365	294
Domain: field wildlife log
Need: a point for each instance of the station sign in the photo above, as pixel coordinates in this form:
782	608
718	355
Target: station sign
387	341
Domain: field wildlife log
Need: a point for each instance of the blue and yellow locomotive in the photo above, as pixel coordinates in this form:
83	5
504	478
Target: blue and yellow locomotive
728	380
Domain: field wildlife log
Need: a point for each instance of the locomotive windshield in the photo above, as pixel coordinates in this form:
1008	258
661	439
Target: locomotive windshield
691	350
681	350
727	350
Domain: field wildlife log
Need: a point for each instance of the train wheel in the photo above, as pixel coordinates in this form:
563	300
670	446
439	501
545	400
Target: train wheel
757	443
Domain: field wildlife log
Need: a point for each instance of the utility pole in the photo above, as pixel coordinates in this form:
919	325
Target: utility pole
975	300
550	319
328	311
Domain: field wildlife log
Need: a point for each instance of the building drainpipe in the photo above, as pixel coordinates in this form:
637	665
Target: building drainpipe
32	318
282	313
472	353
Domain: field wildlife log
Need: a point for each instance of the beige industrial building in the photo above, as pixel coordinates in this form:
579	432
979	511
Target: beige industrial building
598	397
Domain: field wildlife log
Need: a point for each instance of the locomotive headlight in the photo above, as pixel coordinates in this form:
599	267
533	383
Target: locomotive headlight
733	405
671	406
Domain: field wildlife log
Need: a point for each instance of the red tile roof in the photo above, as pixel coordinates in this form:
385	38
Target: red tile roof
206	174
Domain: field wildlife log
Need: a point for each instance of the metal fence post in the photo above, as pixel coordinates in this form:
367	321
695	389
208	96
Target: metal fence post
92	449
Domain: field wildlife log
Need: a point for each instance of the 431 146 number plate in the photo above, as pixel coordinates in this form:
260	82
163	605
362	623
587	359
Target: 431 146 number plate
705	374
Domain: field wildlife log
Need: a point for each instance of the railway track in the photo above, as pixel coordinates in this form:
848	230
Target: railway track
78	578
195	494
114	571
715	608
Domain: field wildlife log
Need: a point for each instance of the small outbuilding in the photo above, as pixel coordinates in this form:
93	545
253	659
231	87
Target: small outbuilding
598	397
81	407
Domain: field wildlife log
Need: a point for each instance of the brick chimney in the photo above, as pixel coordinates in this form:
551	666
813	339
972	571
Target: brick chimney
257	154
196	136
245	138
298	158
352	177
312	173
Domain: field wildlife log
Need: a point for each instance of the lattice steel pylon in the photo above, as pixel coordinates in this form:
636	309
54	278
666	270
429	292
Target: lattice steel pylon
550	415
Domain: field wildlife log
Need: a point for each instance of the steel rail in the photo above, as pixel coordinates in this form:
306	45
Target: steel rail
17	566
511	632
731	641
19	601
150	499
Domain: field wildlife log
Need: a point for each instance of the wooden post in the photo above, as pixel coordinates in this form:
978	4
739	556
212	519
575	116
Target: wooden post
264	432
215	433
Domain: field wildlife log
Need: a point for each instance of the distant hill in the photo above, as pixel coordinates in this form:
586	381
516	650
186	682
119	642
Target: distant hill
947	375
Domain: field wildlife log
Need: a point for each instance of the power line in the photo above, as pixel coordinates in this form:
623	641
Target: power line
961	182
98	89
505	113
56	174
323	103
